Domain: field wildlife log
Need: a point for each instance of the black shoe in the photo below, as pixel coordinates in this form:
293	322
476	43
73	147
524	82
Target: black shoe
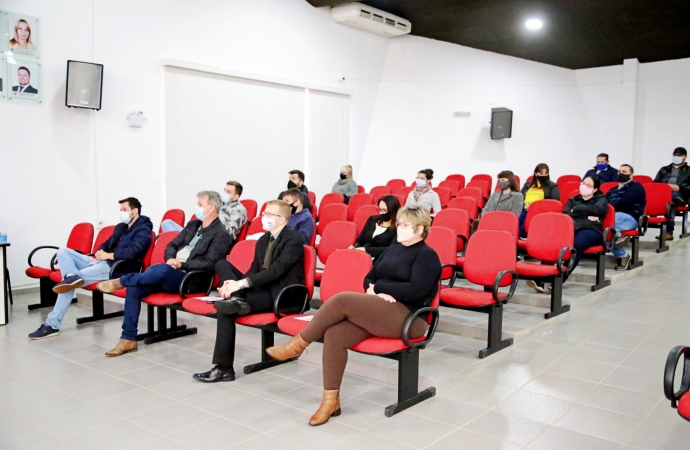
623	263
215	375
68	284
232	306
44	331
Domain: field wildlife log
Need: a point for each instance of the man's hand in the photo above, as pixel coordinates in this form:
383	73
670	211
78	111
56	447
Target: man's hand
229	288
386	297
593	218
674	187
526	206
361	249
104	256
351	247
174	263
370	290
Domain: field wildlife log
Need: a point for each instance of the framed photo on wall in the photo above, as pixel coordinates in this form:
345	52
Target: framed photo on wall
22	35
4	43
24	81
3	77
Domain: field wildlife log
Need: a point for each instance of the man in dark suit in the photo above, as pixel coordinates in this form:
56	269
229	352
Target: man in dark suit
278	262
24	78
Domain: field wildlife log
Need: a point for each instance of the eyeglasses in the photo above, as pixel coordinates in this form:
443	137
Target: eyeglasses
403	225
268	214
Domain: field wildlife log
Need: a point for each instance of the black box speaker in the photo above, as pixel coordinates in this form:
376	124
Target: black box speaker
84	85
501	123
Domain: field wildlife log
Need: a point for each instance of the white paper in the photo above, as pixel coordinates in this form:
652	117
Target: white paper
209	299
305	318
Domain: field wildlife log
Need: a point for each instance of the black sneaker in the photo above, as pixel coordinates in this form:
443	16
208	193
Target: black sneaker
232	306
44	331
68	284
536	285
623	263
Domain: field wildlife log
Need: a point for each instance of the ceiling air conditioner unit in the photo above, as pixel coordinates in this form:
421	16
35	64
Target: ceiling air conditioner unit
370	19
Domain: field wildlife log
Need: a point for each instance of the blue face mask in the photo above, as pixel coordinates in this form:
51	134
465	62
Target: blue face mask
125	217
420	183
602	166
224	197
677	160
199	213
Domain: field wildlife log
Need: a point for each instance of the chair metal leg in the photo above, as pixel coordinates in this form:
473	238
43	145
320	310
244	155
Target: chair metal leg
408	383
495	333
662	239
98	307
267	340
164	333
635	253
557	306
684	233
602	282
8	286
47	296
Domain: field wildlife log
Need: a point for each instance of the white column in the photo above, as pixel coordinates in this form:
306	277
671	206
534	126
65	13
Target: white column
628	109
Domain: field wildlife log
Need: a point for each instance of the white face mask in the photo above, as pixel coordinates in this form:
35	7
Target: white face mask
225	197
420	183
125	216
405	234
268	223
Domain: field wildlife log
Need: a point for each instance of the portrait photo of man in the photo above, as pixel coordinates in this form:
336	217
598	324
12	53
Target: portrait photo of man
24	83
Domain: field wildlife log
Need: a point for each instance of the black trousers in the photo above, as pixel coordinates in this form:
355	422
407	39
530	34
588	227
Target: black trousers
259	300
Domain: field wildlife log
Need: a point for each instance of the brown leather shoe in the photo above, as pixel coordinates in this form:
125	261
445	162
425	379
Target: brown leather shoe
291	349
122	347
669	237
109	286
330	407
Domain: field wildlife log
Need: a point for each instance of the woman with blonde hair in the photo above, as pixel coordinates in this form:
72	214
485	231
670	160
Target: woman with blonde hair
22	37
345	185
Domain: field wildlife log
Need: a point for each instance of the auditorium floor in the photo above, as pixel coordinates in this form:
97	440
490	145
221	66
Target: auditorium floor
592	379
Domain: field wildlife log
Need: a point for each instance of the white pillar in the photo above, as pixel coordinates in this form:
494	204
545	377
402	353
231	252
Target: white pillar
626	141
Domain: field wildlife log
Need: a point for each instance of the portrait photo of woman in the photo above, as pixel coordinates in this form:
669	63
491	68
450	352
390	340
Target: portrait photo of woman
22	32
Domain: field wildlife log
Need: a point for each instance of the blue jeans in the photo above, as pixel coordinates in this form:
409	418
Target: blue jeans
523	216
85	267
584	239
624	222
671	225
169	225
157	278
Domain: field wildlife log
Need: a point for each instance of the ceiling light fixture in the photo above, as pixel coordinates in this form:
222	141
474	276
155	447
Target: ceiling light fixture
534	24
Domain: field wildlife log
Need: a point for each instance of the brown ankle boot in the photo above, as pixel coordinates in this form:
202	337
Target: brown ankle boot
330	407
291	349
122	347
109	286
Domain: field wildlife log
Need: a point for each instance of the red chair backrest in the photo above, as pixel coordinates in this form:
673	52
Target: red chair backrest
102	236
330	199
255	227
81	238
484	187
158	255
242	255
500	221
569	186
243	232
568	194
263	208
309	269
658	197
568	179
541	207
453	185
606	187
146	262
338	235
251	206
468	204
444	195
379	191
482	177
360	189
444	241
457	177
396	184
363	214
402	199
312	209
344	273
473	192
405	192
331	213
356	202
312	240
457	220
529	179
549	233
643	179
176	215
489	252
609	220
312	197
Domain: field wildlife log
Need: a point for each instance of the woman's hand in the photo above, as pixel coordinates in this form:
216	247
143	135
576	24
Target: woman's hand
386	297
351	247
593	218
361	249
370	290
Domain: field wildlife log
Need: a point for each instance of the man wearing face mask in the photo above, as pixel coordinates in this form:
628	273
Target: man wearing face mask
297	181
676	175
603	170
203	242
278	262
629	200
301	219
128	243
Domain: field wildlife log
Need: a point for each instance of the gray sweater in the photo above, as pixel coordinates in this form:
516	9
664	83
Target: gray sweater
347	187
512	201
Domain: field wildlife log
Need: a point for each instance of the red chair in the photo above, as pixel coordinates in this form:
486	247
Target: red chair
659	210
457	220
453	185
599	251
360	189
255	227
401	199
459	178
363	214
243	231
356	202
312	197
529	179
80	240
536	208
444	241
467	204
568	179
551	240
331	213
473	192
643	179
331	198
338	235
484	186
251	206
488	179
380	191
404	192
500	221
490	263
263	208
680	399
396	184
566	195
444	196
606	187
176	215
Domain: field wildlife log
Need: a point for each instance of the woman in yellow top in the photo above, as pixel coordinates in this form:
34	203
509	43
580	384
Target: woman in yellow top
541	187
22	37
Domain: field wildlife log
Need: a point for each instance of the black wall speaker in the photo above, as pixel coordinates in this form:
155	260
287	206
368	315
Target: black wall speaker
501	123
84	85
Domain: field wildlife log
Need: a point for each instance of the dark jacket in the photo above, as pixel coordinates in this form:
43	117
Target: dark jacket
605	176
683	181
551	191
287	262
303	223
374	246
630	198
579	209
306	201
129	243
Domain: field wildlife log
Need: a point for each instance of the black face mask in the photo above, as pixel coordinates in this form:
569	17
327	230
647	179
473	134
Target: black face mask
384	217
293	209
543	179
623	178
291	184
343	176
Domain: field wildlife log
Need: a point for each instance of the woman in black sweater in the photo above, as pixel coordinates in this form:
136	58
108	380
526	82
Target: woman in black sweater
380	230
404	278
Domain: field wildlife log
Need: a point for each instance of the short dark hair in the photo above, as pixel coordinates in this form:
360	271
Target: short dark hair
238	187
24	68
299	173
132	202
294	192
428	173
603	155
596	182
629	166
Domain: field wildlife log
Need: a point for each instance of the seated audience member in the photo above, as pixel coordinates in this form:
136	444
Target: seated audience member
540	188
404	278
508	197
297	181
629	200
345	185
603	170
422	195
201	244
233	214
301	219
379	231
278	262
676	175
130	241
